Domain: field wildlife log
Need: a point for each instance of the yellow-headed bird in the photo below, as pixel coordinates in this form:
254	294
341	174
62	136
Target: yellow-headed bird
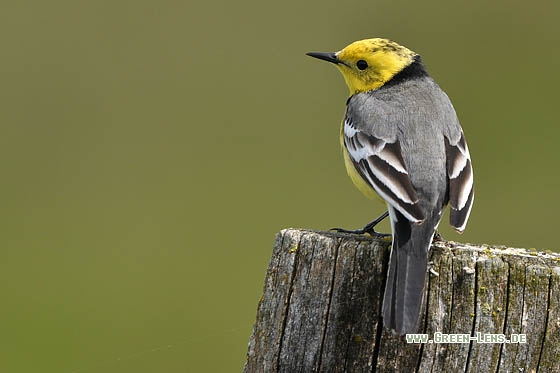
402	140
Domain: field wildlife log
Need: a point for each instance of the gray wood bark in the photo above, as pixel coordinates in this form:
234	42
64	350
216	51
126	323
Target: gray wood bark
320	310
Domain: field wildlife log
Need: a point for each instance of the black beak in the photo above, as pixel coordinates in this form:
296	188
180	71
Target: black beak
327	56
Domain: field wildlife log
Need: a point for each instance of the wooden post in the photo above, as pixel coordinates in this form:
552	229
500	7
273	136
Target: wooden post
320	310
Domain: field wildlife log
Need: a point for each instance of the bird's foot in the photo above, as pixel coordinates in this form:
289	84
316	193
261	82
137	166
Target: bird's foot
367	229
432	270
363	230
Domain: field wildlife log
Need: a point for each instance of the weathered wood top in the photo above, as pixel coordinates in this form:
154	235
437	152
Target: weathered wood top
320	310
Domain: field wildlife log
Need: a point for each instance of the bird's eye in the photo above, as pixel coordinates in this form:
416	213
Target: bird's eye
362	65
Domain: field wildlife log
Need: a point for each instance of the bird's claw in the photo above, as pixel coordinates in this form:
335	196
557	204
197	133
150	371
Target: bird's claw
432	270
438	237
367	229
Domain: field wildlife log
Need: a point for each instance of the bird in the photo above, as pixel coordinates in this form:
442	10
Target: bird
402	141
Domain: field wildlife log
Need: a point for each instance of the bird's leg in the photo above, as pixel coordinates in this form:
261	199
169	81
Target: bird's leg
368	228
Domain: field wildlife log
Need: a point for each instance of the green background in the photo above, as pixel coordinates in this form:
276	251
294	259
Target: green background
151	150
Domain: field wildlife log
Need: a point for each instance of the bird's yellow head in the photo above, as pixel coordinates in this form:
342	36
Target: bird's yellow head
370	63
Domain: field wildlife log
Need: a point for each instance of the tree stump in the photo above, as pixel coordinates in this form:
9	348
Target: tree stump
321	307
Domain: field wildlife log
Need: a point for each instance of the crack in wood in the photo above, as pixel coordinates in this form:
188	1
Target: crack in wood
289	296
330	296
505	317
546	319
473	330
351	335
379	329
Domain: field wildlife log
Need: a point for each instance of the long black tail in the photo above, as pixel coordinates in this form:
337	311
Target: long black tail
406	277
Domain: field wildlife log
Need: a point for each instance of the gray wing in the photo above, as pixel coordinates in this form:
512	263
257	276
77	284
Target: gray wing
371	137
379	162
460	175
